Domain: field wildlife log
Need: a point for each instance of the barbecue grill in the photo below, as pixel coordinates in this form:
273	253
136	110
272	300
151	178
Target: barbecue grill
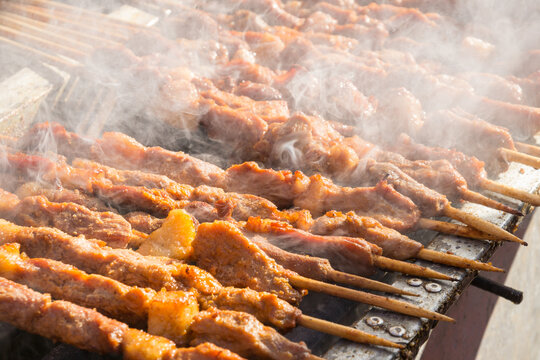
36	89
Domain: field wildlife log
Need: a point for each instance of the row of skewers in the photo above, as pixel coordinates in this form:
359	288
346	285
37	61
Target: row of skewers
408	180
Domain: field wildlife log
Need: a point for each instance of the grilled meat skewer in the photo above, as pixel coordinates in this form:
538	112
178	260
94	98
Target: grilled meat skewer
45	213
151	308
78	219
94	257
116	299
160	202
88	329
315	194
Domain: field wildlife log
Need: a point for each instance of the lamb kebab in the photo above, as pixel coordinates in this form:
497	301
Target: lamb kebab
164	202
511	149
480	198
491	106
124	152
68	217
159	272
89	330
393	244
174	315
158	201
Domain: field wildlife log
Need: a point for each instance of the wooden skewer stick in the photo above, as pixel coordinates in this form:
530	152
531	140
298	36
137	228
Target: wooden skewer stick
363	297
453	260
79	36
528	148
45	56
38	41
516	156
104	19
533	199
6	20
473	196
454	229
345	332
43	14
481	224
408	268
365	283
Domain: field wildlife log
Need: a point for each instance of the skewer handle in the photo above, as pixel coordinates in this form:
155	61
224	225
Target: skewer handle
345	332
526	159
481	224
533	199
454	229
366	298
408	268
365	283
473	196
528	148
457	261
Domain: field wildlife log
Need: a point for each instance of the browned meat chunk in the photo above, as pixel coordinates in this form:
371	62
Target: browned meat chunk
266	307
143	222
62	281
381	202
470	167
309	266
59	320
393	244
243	334
93	256
60	195
280	187
221	249
353	255
71	218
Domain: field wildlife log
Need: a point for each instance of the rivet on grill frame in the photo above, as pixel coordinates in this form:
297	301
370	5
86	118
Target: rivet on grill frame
374	321
433	287
397	331
414	282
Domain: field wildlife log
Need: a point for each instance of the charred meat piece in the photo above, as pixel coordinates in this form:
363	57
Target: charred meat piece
392	243
93	256
352	255
59	320
266	307
89	330
71	218
243	334
143	222
221	249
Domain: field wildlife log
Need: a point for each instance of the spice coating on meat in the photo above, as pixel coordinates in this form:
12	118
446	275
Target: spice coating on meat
143	222
470	167
266	307
282	187
353	255
393	244
66	282
93	256
221	249
71	218
381	202
243	205
243	334
308	266
59	320
89	330
60	195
